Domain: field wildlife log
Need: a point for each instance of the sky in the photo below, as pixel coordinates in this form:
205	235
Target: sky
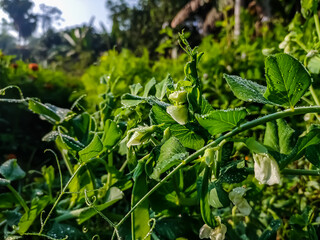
76	12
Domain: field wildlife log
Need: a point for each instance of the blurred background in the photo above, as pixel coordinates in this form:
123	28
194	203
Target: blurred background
52	32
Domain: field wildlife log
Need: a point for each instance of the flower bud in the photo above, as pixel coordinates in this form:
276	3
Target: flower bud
266	169
33	66
178	113
179	97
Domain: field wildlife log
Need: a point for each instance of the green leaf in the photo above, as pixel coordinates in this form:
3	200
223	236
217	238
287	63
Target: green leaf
27	219
286	136
271	231
49	112
226	152
314	64
111	134
303	218
11	170
148	87
69	141
12	217
92	150
221	120
234	172
308	7
172	152
161	88
313	155
135	88
287	80
279	136
129	100
205	106
194	99
246	90
48	174
82	125
76	185
140	216
60	231
255	146
7	200
311	138
178	228
271	138
312	232
187	137
159	114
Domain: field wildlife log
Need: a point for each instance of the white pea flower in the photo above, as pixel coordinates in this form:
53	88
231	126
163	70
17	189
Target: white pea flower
266	169
141	135
178	113
219	233
236	197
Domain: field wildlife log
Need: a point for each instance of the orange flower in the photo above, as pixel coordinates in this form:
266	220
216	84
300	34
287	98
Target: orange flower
33	66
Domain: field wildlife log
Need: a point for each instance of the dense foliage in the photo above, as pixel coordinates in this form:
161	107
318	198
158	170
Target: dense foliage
181	148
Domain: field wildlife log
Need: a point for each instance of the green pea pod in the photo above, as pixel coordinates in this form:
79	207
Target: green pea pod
205	209
140	217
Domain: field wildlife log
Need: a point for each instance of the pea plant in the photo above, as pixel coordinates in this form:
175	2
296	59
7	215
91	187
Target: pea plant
161	163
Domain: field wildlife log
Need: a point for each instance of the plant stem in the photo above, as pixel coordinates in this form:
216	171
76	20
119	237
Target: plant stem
314	95
235	131
60	195
315	98
19	198
110	164
301	44
297	172
316	21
